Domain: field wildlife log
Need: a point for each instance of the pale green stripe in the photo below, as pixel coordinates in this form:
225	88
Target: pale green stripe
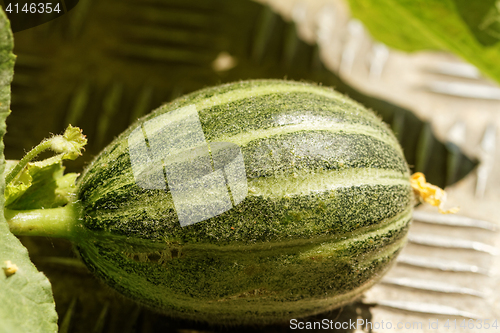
268	89
242	139
307	183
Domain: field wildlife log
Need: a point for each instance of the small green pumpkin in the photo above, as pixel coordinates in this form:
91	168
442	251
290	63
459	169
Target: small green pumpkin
251	202
326	208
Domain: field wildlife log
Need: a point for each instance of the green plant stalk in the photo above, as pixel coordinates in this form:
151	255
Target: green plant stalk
52	222
43	146
55	222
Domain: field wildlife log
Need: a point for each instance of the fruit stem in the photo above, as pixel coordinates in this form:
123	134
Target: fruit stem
54	222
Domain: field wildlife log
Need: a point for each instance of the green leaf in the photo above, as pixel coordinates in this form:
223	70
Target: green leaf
483	19
26	302
470	29
41	185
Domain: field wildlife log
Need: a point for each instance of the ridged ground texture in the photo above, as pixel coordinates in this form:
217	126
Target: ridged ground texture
327	210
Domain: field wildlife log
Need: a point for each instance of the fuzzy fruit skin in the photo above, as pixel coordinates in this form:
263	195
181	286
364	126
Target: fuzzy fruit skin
328	208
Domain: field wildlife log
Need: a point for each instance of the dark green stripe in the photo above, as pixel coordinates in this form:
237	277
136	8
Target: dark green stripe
281	109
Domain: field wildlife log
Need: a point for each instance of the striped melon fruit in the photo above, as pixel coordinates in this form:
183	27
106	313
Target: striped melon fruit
252	202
